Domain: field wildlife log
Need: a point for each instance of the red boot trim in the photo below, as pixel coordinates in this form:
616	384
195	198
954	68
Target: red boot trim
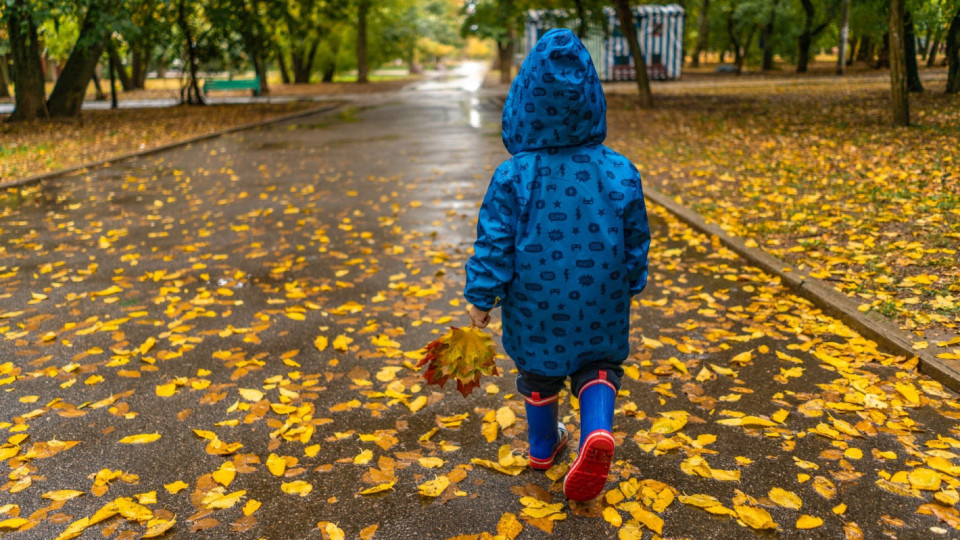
588	474
538	401
601	380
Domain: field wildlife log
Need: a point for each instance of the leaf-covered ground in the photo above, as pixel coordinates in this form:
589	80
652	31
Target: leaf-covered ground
220	342
812	172
30	148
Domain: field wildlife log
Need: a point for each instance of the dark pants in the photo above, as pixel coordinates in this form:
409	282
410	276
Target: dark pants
528	383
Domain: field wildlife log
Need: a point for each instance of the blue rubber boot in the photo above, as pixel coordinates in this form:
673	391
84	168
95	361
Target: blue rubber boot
547	435
588	474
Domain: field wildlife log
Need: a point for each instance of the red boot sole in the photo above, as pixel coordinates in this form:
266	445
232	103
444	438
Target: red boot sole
588	474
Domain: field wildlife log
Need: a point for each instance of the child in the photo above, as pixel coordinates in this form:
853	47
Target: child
561	247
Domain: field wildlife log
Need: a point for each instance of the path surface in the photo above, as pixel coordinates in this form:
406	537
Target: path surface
189	294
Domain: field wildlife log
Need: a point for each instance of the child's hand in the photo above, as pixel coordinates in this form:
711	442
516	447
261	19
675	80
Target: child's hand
479	318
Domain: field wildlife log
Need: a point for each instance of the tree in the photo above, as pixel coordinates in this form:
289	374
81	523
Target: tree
125	81
910	54
241	23
844	37
66	99
629	29
766	37
703	34
363	8
741	27
4	77
497	20
933	47
146	28
190	92
28	81
306	24
953	54
898	65
811	29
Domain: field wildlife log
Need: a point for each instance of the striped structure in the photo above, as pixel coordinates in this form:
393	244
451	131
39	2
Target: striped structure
659	31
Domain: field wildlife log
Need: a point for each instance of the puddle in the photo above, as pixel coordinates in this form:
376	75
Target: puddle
278	145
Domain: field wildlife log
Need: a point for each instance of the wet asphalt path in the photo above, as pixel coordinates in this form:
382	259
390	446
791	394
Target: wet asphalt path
208	273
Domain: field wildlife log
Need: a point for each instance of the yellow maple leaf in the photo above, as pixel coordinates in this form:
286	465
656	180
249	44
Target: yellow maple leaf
297	487
276	464
176	487
379	488
157	527
808	522
342	343
143	438
435	487
755	517
786	499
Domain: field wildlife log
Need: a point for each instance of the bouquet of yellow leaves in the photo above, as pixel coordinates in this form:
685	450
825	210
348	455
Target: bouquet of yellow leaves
465	354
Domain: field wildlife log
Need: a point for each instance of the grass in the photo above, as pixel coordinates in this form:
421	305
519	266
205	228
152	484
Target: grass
814	171
31	148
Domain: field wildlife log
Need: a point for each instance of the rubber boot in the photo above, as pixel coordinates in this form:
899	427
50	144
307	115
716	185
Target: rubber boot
547	435
588	474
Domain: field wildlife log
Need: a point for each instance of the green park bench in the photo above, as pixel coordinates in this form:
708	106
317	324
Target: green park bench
234	84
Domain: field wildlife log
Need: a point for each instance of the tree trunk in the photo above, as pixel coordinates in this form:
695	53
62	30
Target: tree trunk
702	34
934	48
66	100
362	10
330	70
806	36
803	56
898	65
740	50
854	50
302	59
4	77
910	52
125	81
506	50
113	82
299	65
282	64
883	55
582	15
312	56
138	66
190	94
629	29
28	82
99	96
766	35
865	52
953	55
844	37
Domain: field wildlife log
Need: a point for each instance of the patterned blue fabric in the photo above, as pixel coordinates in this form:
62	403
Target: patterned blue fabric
562	236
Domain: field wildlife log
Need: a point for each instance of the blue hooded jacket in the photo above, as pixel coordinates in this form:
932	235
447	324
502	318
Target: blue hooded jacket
562	236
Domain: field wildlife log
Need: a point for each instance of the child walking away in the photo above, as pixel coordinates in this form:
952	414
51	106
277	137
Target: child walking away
561	247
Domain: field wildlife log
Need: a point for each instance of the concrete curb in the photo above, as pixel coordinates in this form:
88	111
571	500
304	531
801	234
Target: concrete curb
887	335
20	182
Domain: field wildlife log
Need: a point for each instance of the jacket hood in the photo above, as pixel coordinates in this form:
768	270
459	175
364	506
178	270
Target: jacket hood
556	99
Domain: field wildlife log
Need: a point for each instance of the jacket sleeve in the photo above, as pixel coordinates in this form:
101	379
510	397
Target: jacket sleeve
491	268
637	240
